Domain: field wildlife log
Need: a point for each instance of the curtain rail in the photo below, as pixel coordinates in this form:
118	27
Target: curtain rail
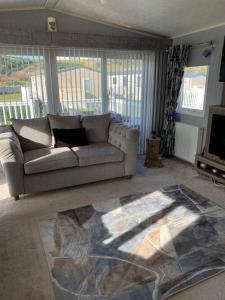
16	46
210	43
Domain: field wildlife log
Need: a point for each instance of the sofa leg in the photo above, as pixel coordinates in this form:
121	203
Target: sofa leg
17	197
129	176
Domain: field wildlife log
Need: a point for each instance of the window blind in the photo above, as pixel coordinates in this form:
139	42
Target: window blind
34	81
22	83
125	76
79	81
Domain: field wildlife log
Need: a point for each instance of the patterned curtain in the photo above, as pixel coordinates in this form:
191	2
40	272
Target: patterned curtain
159	91
178	58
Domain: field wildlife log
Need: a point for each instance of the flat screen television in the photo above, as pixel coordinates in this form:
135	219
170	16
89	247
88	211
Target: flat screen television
215	136
222	66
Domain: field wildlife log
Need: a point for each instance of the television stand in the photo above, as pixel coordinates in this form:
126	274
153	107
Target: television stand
210	168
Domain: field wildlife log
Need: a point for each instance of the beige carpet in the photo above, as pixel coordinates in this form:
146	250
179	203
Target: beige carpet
23	268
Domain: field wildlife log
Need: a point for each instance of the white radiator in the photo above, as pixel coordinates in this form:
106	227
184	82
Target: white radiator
188	141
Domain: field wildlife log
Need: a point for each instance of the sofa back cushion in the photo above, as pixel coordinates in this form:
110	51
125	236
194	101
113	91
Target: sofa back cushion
64	122
97	128
32	133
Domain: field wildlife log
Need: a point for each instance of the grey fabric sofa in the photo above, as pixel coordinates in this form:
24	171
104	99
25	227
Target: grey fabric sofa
31	163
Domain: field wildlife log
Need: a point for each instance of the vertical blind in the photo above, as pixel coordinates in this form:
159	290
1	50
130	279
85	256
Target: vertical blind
124	83
22	84
79	81
34	81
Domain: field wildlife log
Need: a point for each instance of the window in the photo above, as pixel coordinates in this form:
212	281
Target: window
79	81
87	85
125	87
70	81
192	93
22	84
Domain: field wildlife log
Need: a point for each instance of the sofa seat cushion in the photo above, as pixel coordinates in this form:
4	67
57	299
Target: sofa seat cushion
98	153
49	159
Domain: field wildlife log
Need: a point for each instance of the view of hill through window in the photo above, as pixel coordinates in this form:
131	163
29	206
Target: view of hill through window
18	91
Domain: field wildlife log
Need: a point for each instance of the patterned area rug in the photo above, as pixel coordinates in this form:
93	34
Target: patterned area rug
143	246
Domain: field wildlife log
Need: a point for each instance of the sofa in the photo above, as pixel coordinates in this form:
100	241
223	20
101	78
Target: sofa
32	164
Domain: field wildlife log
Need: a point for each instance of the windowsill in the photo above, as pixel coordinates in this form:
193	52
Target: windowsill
191	112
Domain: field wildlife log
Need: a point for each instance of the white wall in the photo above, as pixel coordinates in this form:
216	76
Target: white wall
215	88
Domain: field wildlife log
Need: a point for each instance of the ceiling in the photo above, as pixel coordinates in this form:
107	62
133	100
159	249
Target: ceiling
169	18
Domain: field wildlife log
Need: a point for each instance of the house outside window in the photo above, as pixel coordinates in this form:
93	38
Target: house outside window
193	90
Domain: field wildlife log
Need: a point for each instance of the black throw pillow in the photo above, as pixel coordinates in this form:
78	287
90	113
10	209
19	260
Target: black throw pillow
70	137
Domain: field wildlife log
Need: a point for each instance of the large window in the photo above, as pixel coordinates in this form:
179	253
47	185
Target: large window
69	81
22	84
192	94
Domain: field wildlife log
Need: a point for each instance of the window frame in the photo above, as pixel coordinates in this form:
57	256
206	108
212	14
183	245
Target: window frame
193	111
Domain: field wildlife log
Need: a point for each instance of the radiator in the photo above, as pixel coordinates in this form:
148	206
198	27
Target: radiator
188	141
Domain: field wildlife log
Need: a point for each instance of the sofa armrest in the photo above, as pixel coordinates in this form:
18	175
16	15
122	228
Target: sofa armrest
11	157
126	139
